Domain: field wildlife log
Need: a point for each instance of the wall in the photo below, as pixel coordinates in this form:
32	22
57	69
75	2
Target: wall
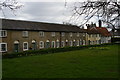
14	35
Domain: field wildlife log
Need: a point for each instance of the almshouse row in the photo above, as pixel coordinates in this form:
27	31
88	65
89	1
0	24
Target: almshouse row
18	36
32	40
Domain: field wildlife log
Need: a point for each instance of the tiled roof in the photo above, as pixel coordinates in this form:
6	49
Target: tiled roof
92	30
103	31
30	25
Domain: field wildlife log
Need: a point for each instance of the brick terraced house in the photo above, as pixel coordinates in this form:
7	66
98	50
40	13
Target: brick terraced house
18	36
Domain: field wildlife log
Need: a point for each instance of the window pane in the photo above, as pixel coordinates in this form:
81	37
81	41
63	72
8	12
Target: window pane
25	33
41	44
53	33
3	33
41	33
25	45
3	47
63	34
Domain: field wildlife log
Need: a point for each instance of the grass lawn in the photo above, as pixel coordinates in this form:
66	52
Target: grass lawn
100	62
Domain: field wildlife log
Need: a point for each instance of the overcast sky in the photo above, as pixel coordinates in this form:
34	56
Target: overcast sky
50	12
54	12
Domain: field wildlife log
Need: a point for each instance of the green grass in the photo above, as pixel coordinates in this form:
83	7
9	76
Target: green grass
100	62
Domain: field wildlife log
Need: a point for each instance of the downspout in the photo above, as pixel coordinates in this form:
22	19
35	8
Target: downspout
60	39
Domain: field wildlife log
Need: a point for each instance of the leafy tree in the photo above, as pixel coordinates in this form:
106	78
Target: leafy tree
108	11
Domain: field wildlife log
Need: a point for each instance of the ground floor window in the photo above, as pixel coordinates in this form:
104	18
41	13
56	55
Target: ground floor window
25	46
41	44
3	47
53	44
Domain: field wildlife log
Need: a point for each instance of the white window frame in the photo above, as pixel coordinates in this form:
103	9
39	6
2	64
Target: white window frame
83	34
41	33
53	46
78	34
24	46
91	35
63	34
71	34
52	34
3	35
1	47
25	33
97	35
41	45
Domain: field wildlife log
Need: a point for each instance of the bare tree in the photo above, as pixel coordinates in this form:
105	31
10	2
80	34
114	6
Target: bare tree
13	5
107	10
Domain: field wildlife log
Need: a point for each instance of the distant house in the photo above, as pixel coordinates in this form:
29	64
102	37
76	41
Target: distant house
93	36
104	36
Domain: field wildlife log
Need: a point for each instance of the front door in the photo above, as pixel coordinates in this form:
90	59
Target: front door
33	46
16	47
47	44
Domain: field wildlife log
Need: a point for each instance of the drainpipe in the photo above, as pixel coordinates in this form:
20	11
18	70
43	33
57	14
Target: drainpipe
60	39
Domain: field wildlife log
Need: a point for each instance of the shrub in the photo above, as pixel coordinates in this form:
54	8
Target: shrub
48	51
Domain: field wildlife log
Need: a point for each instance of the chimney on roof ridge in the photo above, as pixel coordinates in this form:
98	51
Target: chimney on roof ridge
88	26
100	23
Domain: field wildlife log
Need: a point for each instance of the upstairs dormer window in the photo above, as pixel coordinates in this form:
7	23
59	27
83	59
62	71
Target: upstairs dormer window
63	33
78	34
3	33
71	34
83	34
41	34
25	33
52	34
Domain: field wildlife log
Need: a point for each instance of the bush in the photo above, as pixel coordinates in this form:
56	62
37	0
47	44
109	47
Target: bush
48	51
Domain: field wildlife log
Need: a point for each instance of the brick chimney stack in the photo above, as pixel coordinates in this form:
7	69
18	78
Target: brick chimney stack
100	23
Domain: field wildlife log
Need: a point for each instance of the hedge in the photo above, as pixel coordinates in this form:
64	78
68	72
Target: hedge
48	51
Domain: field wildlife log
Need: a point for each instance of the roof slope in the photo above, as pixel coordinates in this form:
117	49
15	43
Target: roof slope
92	30
103	31
40	26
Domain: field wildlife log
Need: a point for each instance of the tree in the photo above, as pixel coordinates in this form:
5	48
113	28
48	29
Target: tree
13	5
107	10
